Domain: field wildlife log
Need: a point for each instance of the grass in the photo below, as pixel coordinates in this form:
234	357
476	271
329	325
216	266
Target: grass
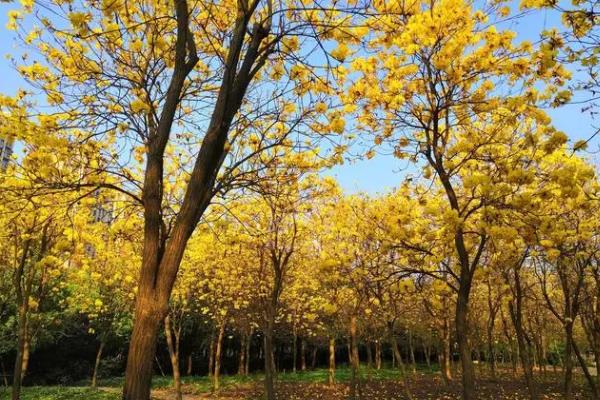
197	384
61	393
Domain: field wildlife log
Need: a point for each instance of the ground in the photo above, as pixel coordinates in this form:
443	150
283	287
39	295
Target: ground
385	384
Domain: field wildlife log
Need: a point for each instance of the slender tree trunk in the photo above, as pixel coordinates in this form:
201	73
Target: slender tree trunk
268	344
378	354
242	355
355	387
21	346
369	355
462	330
247	350
491	350
412	353
173	347
516	313
97	364
189	368
568	361
445	355
303	354
331	376
4	374
427	353
218	351
211	354
313	361
294	351
586	372
398	358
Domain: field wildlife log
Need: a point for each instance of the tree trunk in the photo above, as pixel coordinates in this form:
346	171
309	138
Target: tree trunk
427	353
378	354
294	351
188	370
586	371
445	354
269	381
302	354
369	354
218	351
247	350
355	389
242	355
398	358
331	376
412	352
142	348
173	347
313	361
516	312
21	347
211	354
97	364
462	330
568	361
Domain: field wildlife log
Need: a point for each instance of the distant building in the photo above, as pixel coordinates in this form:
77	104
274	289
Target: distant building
6	150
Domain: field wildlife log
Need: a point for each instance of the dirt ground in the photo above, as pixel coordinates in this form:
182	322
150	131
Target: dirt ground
421	387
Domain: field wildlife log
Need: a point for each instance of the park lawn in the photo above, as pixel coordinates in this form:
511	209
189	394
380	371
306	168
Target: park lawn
110	387
61	393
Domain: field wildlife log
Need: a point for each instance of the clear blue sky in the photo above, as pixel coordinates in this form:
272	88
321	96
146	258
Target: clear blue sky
382	172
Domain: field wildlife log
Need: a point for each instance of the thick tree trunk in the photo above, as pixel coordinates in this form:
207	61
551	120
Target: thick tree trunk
218	351
142	348
97	364
331	375
173	347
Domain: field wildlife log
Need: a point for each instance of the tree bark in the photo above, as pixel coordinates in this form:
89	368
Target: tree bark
302	354
218	351
242	355
97	364
294	351
211	354
173	347
378	354
355	387
269	381
462	330
331	375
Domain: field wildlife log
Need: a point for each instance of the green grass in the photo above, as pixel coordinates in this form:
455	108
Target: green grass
197	384
61	393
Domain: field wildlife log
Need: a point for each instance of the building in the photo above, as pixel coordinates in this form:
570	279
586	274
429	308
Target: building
6	150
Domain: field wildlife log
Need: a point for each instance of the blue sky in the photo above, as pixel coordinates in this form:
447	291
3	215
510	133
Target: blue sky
382	172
